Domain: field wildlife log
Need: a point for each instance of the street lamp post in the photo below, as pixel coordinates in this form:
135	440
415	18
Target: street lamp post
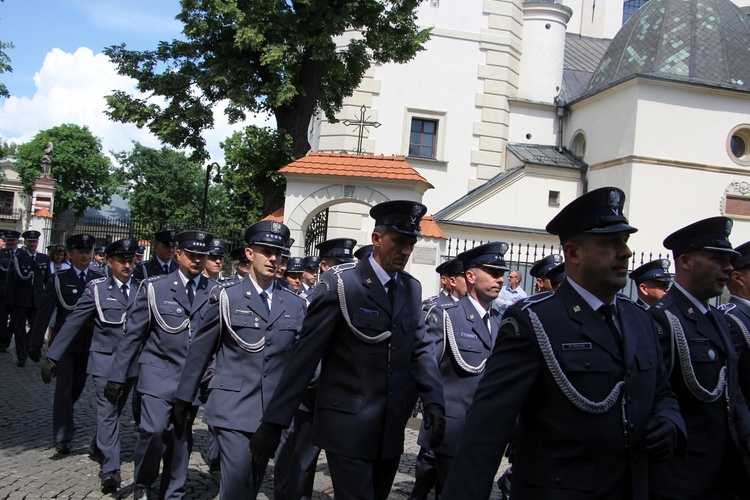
217	180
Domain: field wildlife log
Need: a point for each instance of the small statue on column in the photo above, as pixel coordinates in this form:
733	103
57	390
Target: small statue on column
47	160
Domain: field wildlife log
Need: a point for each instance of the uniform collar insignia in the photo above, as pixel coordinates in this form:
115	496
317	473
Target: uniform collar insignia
577	309
690	310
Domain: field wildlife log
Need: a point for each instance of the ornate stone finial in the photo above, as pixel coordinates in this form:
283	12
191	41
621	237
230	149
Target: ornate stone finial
47	160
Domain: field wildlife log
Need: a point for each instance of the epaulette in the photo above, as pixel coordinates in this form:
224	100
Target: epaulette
343	267
291	292
534	299
662	304
97	280
429	301
622	296
157	277
725	308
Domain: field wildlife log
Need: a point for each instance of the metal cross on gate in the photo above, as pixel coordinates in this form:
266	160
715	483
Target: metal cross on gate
362	124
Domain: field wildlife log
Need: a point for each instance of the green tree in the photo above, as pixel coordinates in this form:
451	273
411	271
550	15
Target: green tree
250	177
261	56
7	149
163	185
85	176
5	64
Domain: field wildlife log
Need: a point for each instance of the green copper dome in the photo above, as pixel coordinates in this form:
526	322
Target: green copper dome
699	41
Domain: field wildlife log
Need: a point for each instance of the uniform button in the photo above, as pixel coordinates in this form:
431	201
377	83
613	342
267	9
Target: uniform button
587	364
632	427
244	322
628	373
265	374
335	405
629	399
558	480
221	385
267	358
269	344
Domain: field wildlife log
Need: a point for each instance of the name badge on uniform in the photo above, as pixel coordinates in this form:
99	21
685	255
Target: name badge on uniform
240	311
469	336
169	303
699	341
112	298
576	346
369	311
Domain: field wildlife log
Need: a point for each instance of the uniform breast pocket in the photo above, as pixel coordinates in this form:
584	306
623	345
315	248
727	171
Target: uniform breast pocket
225	383
469	344
340	402
703	353
409	323
287	328
370	322
248	320
585	361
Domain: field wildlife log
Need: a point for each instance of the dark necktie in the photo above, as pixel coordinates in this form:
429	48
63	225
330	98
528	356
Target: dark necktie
608	311
166	268
486	321
190	291
124	289
264	298
392	290
82	277
710	317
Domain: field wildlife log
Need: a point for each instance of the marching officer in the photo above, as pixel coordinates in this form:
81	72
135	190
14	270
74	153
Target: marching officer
293	273
310	270
363	252
370	344
99	263
6	260
241	264
702	364
250	327
163	260
24	288
140	251
737	310
652	280
167	311
215	260
103	304
584	382
59	300
464	333
542	269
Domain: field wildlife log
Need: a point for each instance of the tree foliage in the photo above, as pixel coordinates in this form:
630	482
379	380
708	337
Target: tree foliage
163	185
5	64
85	176
250	176
274	56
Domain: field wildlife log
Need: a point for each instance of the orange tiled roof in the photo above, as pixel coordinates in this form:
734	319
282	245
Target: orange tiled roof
431	229
145	243
344	164
277	216
43	212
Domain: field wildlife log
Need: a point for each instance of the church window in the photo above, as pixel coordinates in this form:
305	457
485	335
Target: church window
578	145
738	145
423	138
553	200
630	7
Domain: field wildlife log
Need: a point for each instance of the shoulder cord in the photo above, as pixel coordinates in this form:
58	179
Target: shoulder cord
60	297
224	317
5	269
570	392
159	320
427	317
101	313
688	374
451	338
345	313
742	327
18	271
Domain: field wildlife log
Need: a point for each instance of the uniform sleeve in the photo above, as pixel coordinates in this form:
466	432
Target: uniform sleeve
137	327
510	374
201	351
318	328
43	315
424	369
664	335
74	324
10	283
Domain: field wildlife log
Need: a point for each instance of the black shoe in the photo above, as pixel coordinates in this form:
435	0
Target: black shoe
96	457
21	363
63	447
110	481
214	465
141	493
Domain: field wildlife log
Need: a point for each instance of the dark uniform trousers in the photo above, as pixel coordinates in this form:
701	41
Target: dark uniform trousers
565	449
6	260
142	271
103	306
59	299
253	347
160	327
425	465
27	279
713	467
360	412
461	357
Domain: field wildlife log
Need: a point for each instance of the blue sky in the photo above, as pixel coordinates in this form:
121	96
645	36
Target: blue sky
60	75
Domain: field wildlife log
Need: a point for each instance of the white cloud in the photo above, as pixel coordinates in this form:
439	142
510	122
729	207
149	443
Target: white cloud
70	88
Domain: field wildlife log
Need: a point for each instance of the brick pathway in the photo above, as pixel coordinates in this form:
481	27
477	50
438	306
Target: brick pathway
30	468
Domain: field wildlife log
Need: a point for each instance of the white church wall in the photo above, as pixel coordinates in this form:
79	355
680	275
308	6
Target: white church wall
531	123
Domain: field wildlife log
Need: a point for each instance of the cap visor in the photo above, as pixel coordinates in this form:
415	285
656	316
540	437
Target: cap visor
614	228
722	250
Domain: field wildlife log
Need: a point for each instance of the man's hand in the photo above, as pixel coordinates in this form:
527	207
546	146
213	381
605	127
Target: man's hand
49	369
264	442
206	378
183	414
35	354
113	391
434	418
661	438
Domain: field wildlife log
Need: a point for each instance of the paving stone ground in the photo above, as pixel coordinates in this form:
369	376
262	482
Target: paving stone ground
30	468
